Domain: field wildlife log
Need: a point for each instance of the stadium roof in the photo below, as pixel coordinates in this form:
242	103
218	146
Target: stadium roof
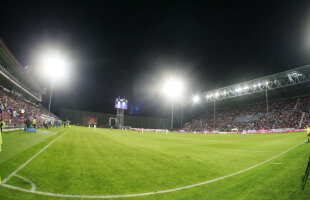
13	71
295	81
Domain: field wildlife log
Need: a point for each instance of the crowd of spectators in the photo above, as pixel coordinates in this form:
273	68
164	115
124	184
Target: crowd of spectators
291	113
17	111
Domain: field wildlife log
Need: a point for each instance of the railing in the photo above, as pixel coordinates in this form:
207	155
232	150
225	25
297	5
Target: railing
295	107
12	123
301	119
16	122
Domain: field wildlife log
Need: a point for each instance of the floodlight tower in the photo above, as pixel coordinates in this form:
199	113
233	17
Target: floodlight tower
173	89
55	67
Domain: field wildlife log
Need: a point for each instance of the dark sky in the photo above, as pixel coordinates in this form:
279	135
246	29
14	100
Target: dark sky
124	49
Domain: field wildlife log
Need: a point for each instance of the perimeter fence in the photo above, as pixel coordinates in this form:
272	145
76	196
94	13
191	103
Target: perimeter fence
84	118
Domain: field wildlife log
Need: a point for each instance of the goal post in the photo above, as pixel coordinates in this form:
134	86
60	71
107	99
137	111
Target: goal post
126	128
110	121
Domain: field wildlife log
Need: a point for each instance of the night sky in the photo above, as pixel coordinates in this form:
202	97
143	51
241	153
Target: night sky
125	49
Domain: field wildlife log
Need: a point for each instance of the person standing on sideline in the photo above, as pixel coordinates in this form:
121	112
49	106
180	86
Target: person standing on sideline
2	124
34	122
308	133
244	133
142	131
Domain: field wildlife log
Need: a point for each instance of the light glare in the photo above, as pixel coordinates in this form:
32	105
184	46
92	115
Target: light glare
245	87
55	66
173	88
196	99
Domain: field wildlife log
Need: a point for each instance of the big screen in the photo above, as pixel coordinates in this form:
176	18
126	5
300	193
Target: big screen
121	104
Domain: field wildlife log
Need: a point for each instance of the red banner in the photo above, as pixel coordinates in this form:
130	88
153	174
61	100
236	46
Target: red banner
90	120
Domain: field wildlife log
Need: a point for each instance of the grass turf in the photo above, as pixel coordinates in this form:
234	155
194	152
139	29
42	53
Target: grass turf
102	162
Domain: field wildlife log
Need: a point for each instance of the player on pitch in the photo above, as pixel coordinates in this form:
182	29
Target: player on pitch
244	133
308	133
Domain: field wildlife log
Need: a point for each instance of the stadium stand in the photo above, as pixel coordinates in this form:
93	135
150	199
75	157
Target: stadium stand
291	113
20	94
15	109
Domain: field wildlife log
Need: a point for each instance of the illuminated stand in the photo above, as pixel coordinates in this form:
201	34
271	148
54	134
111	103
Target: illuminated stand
120	105
294	77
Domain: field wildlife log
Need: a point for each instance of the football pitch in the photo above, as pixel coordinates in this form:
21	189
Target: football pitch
83	163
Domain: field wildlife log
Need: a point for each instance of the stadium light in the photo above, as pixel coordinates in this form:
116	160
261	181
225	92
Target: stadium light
196	99
245	87
55	66
173	88
238	89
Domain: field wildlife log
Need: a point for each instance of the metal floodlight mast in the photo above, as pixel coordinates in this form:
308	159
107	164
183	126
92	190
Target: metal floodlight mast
172	115
51	93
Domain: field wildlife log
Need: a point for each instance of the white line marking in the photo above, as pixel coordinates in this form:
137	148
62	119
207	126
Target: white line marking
41	132
33	186
276	163
147	193
248	150
28	161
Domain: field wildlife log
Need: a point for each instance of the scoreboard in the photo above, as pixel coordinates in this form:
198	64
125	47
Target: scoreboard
121	103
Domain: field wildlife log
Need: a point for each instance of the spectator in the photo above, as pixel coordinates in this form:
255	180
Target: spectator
282	114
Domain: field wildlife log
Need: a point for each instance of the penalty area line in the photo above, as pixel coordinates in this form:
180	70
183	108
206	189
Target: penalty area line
33	157
147	193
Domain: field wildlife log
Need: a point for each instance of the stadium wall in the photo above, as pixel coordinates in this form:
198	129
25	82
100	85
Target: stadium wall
81	118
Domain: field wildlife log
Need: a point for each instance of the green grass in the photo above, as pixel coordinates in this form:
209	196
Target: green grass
101	162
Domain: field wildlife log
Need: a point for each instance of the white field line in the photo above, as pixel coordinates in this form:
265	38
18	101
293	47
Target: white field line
33	186
248	150
147	193
41	132
33	157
